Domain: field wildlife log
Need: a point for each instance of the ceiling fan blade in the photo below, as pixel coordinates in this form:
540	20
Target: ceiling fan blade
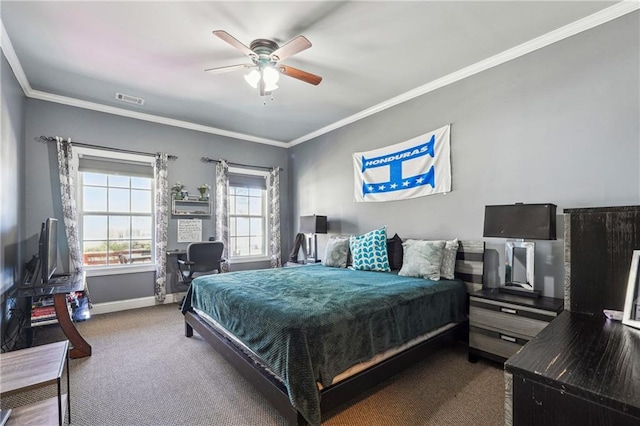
234	42
293	46
220	70
307	77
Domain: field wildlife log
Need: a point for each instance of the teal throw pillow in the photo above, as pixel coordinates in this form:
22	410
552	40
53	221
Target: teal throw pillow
369	251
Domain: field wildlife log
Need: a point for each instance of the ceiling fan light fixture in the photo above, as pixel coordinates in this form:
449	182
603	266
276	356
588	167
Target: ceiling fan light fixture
270	87
265	56
270	76
253	78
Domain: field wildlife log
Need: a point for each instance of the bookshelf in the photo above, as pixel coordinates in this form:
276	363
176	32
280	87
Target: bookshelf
190	207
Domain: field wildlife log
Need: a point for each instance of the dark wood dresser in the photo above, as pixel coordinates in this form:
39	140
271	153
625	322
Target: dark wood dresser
579	370
584	369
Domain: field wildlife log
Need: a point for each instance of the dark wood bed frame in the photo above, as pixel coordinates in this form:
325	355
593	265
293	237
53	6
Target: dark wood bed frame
469	268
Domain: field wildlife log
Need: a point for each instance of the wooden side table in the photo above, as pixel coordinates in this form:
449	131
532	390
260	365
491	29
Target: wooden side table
33	368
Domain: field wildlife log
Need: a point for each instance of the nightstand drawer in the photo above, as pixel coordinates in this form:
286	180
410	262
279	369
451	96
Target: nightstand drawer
501	323
492	320
526	322
499	344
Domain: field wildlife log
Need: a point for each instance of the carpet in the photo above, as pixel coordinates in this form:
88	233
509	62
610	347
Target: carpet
144	371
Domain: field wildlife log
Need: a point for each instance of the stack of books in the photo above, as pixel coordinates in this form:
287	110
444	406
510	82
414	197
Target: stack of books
43	312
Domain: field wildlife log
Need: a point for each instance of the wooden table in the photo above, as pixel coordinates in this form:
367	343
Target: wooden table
33	368
59	288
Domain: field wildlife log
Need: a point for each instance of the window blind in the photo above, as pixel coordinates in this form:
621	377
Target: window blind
89	163
247	181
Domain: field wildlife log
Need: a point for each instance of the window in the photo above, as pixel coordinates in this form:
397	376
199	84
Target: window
248	215
116	209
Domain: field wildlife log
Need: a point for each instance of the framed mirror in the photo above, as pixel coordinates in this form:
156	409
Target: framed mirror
519	266
631	315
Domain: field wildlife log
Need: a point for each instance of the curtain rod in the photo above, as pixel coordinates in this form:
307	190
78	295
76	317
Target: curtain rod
213	160
46	139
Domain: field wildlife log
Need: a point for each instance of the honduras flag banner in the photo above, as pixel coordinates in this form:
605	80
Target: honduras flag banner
415	168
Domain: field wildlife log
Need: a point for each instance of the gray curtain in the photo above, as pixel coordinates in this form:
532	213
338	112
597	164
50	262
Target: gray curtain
162	220
67	176
274	217
222	209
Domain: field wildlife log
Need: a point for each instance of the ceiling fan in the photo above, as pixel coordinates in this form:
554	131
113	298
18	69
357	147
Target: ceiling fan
265	57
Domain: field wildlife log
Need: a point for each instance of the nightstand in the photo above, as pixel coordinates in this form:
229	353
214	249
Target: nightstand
500	323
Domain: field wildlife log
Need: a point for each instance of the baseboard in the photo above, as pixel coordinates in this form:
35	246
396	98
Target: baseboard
142	302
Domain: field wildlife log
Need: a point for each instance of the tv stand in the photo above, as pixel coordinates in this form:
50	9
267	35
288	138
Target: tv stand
59	290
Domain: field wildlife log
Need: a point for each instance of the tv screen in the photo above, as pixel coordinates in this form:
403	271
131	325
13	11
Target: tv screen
526	221
48	250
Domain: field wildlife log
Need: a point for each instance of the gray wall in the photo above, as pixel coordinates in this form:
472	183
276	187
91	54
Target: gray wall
42	199
11	184
559	125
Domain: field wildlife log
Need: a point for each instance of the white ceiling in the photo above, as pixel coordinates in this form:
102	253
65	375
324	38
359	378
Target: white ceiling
370	55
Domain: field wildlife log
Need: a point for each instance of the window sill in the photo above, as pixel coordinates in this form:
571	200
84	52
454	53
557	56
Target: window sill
118	270
249	259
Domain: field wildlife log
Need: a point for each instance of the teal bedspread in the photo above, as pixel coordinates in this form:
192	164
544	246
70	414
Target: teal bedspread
310	323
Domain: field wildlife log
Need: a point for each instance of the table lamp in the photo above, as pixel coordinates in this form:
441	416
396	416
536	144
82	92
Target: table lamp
313	225
520	221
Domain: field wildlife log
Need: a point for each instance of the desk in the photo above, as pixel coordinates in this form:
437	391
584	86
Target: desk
32	368
578	371
59	288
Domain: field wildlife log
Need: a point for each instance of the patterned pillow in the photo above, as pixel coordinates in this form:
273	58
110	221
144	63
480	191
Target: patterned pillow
422	259
448	268
369	251
336	253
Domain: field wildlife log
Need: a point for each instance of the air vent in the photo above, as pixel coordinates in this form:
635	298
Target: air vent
130	99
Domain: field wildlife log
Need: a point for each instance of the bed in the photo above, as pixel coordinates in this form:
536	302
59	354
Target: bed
311	338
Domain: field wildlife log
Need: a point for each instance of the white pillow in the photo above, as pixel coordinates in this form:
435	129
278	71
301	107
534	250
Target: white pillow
422	259
448	268
336	253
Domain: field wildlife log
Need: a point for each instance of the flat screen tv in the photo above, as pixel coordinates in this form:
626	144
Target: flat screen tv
48	249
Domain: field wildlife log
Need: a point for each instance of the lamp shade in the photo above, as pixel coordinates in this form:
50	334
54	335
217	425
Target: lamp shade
313	224
527	221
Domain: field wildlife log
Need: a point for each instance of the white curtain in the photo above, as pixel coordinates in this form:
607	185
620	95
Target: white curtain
67	176
162	219
274	217
222	210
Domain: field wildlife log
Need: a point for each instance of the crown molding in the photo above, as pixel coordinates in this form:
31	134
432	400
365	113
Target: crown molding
36	94
619	9
14	63
586	23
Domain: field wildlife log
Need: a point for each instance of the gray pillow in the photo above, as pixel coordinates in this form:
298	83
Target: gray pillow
448	268
336	253
422	259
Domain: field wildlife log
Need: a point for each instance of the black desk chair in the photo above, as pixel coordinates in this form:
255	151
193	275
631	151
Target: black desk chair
203	258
